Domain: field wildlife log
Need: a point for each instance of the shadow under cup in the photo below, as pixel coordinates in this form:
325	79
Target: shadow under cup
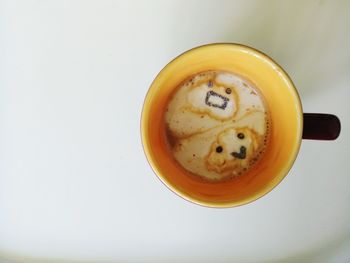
286	121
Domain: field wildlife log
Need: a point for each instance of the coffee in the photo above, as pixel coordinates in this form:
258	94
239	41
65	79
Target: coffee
217	125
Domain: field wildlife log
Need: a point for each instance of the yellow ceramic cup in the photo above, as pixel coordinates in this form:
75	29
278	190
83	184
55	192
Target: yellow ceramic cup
286	124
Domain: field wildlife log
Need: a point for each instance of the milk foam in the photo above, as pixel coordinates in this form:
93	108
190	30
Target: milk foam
217	124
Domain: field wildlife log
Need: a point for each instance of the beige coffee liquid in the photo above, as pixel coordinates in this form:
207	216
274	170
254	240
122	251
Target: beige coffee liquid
217	125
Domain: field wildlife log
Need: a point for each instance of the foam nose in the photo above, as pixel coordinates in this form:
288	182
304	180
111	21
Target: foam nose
216	100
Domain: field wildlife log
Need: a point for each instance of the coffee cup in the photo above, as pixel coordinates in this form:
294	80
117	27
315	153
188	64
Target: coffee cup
222	125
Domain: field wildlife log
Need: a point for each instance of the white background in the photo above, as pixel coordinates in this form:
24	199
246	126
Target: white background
74	182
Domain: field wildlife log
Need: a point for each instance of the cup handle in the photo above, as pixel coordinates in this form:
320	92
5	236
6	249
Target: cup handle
318	126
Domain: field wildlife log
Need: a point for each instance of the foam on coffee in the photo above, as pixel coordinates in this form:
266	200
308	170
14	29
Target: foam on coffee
217	125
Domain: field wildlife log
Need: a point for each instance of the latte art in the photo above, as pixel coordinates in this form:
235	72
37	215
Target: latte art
217	125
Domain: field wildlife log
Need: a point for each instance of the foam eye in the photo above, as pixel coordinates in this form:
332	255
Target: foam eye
219	149
228	91
240	136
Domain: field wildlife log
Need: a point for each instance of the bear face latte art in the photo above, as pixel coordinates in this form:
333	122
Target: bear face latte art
217	125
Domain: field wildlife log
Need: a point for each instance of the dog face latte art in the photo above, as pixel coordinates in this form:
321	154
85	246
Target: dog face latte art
217	125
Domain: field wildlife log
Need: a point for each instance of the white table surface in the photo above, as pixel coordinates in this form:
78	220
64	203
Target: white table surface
74	182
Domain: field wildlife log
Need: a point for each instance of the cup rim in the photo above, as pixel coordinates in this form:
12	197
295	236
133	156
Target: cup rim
252	198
